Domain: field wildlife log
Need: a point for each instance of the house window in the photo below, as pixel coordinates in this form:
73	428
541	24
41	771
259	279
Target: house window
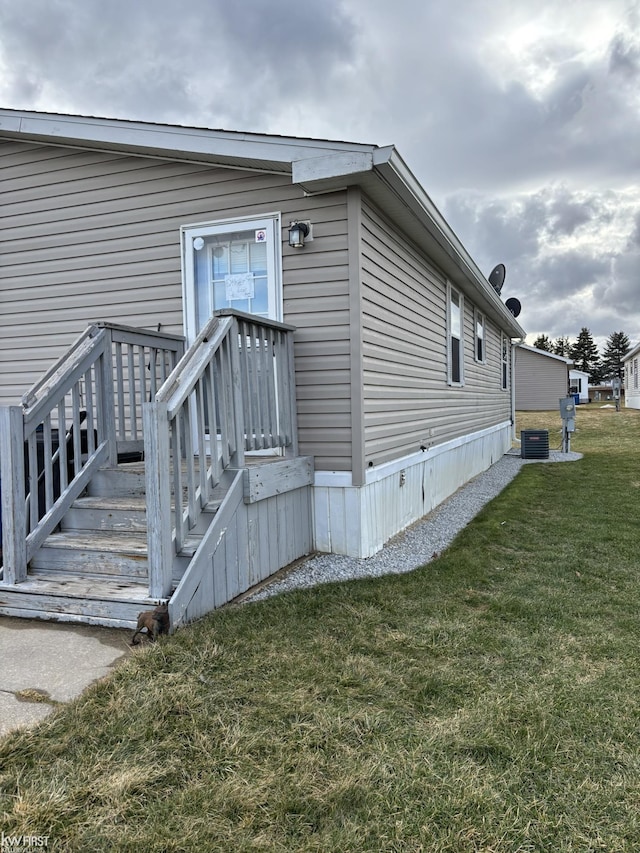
505	362
635	374
479	352
455	314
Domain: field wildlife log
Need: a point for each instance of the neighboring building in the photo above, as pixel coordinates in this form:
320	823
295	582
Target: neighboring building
604	393
541	378
579	384
402	349
631	383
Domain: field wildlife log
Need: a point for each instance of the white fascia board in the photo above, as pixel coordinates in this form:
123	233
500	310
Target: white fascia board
168	140
314	173
544	353
9	122
632	353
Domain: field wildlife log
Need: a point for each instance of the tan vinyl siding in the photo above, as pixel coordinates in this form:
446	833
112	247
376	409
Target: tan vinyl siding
541	380
89	235
316	302
407	400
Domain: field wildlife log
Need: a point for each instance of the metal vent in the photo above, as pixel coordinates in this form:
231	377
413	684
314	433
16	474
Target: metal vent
534	444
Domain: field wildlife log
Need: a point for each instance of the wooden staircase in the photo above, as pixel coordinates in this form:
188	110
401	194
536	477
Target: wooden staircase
95	568
89	538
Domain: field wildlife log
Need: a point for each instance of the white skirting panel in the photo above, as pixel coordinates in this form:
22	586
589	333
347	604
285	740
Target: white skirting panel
632	399
358	520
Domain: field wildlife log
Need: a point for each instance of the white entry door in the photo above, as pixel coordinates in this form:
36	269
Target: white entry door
231	264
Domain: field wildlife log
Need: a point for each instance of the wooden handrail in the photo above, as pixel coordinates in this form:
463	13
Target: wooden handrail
254	318
73	365
123	332
184	366
31	396
232	391
119	333
45	461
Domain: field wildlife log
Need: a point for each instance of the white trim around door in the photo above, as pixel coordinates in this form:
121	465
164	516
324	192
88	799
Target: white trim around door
232	263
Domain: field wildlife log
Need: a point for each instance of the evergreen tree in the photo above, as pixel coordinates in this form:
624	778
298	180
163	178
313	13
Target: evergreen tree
561	346
586	357
543	342
616	348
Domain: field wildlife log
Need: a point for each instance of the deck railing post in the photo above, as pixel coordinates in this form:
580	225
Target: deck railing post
14	520
238	415
106	395
290	385
158	481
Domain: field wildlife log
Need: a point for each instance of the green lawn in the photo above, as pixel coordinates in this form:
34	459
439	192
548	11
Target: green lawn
488	702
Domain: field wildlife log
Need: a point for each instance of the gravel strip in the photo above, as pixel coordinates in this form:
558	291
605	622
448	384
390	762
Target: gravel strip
419	543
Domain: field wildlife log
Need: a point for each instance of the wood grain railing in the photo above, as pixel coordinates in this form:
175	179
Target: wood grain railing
233	392
83	413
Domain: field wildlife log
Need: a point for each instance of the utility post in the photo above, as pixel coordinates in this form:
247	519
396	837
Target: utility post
568	415
616	391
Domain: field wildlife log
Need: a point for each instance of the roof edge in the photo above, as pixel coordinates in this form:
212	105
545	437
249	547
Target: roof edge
170	140
401	179
544	352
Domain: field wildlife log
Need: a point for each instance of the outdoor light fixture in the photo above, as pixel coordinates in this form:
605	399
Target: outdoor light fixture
297	232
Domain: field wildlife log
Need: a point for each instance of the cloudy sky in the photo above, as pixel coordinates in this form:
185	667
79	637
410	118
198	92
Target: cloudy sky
521	119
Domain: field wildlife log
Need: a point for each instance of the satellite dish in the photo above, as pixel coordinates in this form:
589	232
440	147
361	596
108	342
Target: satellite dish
513	305
496	277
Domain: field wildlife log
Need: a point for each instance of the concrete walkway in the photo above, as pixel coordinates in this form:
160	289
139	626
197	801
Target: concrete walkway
45	663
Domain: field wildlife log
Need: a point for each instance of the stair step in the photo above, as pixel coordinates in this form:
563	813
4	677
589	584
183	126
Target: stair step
190	546
94	553
125	513
127	479
118	513
96	569
123	481
70	599
85	553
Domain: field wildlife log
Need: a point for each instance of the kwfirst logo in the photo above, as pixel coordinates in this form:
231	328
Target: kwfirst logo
23	842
